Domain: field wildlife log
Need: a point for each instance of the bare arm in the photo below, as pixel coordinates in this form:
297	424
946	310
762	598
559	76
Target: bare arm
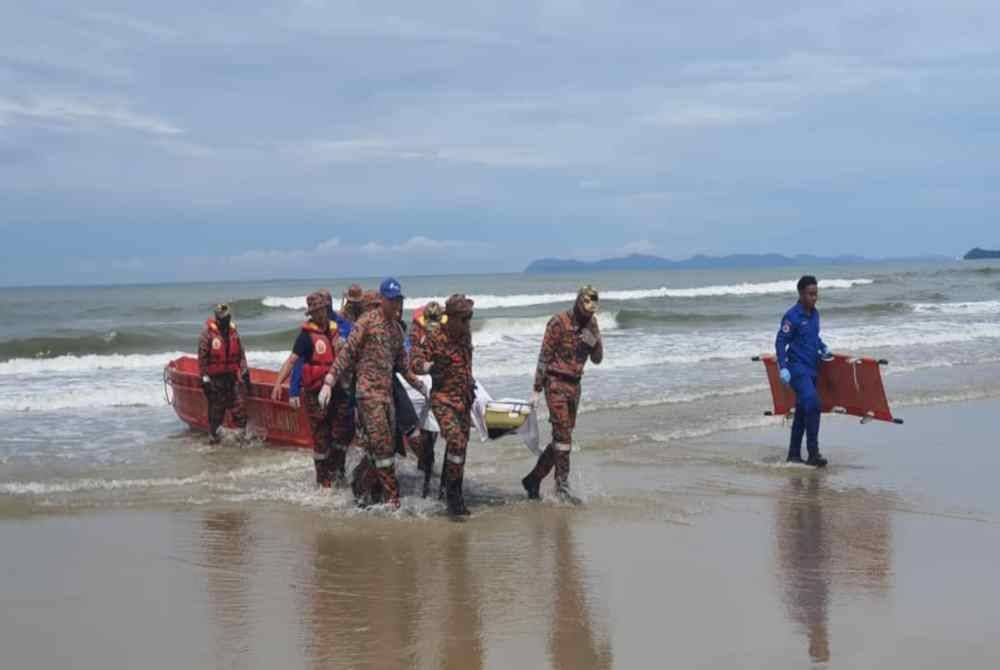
286	367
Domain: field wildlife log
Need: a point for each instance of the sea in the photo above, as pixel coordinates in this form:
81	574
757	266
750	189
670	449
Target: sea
86	421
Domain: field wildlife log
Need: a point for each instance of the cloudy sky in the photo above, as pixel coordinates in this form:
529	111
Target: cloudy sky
192	140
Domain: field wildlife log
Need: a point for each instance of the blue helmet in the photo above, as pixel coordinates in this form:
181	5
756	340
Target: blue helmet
391	289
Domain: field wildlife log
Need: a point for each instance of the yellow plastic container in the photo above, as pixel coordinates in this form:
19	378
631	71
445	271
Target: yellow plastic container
506	414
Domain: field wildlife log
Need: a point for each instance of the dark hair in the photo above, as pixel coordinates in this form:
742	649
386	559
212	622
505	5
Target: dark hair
806	281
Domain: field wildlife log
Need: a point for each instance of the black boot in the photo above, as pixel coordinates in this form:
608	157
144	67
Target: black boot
456	501
531	486
426	465
816	460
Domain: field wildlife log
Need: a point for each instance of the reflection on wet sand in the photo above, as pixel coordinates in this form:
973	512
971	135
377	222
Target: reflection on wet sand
362	600
227	542
572	643
827	539
461	644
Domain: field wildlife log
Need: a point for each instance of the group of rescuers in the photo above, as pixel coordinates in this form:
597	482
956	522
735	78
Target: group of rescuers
343	368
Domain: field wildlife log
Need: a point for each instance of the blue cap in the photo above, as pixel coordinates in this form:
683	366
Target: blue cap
390	289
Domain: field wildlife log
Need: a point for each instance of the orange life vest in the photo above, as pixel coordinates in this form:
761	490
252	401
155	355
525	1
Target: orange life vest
224	356
315	369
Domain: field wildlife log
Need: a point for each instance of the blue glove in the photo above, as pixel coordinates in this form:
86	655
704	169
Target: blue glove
786	376
826	354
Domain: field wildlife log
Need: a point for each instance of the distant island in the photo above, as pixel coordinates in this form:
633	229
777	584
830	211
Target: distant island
978	254
701	262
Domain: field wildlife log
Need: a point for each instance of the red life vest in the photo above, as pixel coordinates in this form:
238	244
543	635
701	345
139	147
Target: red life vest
223	357
315	369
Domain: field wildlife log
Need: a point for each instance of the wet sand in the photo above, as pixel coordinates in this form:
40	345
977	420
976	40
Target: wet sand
708	554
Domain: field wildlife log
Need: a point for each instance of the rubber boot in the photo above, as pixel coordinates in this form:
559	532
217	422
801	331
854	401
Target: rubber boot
456	499
443	485
816	460
533	481
562	479
426	465
338	464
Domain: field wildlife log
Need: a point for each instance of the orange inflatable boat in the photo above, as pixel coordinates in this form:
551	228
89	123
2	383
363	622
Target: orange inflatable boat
846	385
278	422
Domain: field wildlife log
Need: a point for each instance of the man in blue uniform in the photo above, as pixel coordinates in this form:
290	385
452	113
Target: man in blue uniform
800	349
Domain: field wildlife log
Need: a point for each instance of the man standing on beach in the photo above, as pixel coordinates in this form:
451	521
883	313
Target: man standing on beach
314	351
571	338
222	364
375	351
799	350
446	355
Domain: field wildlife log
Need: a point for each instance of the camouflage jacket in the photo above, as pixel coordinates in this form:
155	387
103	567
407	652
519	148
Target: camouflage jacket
451	371
564	352
374	350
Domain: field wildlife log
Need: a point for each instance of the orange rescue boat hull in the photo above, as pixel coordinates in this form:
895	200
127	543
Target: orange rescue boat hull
277	422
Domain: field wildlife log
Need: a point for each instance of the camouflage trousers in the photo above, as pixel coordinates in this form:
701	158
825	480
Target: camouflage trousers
332	430
563	399
225	392
454	424
376	434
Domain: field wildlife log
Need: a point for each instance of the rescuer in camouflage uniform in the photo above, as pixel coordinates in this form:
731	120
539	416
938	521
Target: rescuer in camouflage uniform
446	354
571	338
222	364
426	319
375	351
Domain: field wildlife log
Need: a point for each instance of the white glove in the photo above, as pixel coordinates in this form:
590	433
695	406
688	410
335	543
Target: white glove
324	395
294	401
588	337
205	379
533	399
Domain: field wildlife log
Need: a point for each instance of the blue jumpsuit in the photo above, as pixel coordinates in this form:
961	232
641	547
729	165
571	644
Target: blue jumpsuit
798	347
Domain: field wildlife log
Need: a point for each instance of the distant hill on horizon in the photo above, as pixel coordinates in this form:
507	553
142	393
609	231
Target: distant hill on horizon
704	262
980	254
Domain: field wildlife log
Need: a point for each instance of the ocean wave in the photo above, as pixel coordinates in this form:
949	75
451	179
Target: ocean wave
92	362
958	308
489	301
127	342
636	318
871	309
109	342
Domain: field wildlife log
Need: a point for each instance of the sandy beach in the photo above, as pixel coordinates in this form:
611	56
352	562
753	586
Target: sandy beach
708	553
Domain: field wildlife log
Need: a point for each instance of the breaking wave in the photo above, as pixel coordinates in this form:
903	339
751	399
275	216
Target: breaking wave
489	301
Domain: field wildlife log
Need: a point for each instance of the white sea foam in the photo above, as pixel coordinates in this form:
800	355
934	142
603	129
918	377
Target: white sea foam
34	488
488	301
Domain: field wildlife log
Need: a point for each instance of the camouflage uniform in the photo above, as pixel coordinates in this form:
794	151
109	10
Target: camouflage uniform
564	353
332	428
375	351
447	354
223	391
426	319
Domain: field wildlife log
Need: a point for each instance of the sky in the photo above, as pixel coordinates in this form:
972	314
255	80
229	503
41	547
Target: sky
239	140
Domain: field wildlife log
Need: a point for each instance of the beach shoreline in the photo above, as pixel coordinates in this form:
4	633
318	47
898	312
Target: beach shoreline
704	553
